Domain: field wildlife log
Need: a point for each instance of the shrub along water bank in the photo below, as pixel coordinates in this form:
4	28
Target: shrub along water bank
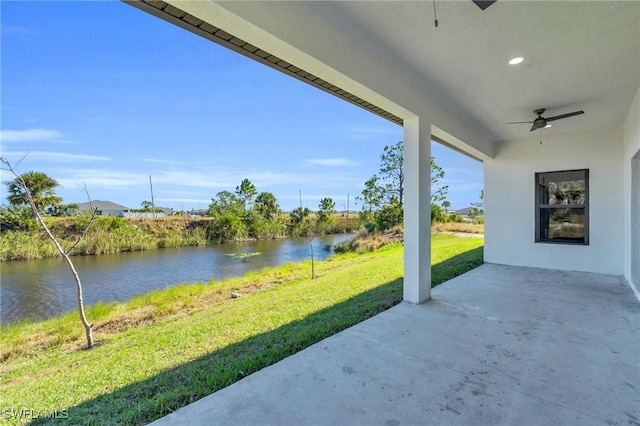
166	349
110	234
105	235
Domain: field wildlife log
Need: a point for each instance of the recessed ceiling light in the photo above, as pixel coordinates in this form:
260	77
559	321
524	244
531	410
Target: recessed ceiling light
516	61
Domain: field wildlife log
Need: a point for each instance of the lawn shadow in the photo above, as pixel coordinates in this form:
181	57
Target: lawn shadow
456	265
157	396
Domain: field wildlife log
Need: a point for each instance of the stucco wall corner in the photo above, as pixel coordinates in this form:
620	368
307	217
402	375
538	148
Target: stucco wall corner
631	170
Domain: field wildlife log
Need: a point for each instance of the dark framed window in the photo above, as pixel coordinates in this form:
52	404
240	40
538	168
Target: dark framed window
562	207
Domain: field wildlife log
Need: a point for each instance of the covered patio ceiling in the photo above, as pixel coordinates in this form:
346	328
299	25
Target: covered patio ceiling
577	55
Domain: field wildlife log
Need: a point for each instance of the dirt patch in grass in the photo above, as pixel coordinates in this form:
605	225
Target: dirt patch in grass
364	241
149	313
458	228
127	320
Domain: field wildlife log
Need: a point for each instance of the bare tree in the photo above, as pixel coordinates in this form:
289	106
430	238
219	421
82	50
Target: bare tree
19	181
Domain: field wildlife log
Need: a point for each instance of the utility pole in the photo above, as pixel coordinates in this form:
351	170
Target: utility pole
153	206
344	217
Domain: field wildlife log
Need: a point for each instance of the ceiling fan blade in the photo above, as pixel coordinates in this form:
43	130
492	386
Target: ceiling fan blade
570	114
520	122
483	4
538	124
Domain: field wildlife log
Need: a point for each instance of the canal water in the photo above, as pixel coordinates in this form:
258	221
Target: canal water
40	289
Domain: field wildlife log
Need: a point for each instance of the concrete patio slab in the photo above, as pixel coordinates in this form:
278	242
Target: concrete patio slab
497	345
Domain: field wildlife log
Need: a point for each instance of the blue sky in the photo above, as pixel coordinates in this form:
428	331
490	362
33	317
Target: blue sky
102	93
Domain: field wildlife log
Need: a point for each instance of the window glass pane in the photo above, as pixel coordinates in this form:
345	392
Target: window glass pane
562	224
562	188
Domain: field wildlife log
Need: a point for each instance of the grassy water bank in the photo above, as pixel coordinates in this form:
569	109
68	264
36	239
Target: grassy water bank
165	349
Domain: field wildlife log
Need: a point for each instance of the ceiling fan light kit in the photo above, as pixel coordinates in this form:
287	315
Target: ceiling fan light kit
483	4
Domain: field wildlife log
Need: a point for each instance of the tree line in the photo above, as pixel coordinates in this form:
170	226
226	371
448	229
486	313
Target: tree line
247	213
383	195
241	214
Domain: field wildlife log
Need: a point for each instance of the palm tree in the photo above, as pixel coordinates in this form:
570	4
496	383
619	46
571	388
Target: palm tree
267	205
40	186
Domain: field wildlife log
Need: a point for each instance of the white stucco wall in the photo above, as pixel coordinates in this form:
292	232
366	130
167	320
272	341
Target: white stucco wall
509	201
632	193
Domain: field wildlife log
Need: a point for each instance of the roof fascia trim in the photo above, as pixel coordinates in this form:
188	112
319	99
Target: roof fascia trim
197	26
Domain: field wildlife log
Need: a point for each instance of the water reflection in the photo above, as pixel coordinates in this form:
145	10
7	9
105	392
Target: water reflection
43	288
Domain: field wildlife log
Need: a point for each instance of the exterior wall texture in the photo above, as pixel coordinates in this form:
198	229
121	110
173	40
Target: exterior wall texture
631	166
510	204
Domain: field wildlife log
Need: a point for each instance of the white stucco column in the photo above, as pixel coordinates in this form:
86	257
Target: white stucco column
417	210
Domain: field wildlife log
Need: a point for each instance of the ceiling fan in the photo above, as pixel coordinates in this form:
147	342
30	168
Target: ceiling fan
541	122
483	4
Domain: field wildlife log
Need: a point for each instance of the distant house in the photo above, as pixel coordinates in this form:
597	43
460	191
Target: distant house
103	208
198	212
168	211
463	212
158	213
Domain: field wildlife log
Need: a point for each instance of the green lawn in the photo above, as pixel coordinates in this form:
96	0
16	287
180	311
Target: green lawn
165	349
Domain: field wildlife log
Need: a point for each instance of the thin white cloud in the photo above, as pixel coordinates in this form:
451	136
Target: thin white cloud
56	157
204	201
331	162
389	129
103	179
228	179
196	179
316	197
213	180
328	179
181	193
360	133
456	187
460	171
166	162
15	29
31	135
364	132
